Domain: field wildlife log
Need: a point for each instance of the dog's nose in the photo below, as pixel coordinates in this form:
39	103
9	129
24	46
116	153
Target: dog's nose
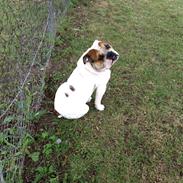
113	56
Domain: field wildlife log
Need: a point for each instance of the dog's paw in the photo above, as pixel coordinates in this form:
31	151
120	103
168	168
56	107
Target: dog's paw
60	116
100	107
89	99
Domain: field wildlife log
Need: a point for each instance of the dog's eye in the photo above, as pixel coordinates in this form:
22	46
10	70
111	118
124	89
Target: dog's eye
107	46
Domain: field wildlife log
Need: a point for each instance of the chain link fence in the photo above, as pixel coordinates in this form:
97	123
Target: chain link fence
27	32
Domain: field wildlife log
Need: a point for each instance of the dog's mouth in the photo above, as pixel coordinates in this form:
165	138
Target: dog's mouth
111	58
108	63
113	61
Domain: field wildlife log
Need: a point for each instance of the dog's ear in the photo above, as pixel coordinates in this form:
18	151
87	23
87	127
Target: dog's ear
91	56
86	58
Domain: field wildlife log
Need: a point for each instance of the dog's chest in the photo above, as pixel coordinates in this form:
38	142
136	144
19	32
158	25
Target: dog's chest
84	82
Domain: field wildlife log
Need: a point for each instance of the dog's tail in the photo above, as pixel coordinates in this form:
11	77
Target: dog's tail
60	116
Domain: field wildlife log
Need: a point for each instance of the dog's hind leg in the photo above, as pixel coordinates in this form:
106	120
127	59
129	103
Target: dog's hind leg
86	109
75	111
82	110
89	99
79	111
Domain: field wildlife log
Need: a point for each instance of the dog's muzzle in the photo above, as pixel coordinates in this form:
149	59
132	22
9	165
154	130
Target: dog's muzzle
112	56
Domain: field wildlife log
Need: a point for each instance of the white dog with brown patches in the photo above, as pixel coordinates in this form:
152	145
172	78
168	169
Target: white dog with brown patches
92	73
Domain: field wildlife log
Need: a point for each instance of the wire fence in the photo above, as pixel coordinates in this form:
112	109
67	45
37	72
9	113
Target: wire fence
27	32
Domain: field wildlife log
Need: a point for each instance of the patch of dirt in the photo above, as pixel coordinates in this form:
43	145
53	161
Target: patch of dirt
103	4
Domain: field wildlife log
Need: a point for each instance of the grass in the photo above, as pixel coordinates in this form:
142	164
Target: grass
139	136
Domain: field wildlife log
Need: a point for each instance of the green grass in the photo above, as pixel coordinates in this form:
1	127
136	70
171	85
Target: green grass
139	136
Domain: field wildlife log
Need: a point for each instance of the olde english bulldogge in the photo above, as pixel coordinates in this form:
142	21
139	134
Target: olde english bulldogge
92	73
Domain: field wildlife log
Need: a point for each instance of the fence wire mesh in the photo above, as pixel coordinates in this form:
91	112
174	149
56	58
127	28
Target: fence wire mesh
27	31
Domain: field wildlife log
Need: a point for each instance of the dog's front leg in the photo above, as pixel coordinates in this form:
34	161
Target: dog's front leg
99	94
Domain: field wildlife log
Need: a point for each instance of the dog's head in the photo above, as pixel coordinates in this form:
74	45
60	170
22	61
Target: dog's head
101	56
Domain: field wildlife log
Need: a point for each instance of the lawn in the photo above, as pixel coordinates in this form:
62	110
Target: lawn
139	136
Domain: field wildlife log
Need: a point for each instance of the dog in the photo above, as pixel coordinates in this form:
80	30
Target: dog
92	73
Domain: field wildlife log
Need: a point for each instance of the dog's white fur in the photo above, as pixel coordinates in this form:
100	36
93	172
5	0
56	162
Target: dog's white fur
85	79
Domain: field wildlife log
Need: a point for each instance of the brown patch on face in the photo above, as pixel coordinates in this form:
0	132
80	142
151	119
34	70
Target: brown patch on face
101	44
96	58
104	45
98	65
93	56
